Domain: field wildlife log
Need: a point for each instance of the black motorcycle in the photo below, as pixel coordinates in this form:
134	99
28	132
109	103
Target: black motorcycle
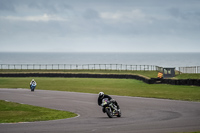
110	108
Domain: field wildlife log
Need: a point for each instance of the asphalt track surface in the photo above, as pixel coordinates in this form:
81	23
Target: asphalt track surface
139	115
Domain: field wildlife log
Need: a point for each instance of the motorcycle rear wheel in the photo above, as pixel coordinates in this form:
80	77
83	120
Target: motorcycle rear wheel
119	114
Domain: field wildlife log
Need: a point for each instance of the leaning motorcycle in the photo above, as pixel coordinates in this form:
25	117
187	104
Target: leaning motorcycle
110	108
32	86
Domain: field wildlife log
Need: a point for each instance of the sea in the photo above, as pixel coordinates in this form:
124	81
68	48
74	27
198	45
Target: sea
157	59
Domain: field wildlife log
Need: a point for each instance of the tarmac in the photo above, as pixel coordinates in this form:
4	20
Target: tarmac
139	115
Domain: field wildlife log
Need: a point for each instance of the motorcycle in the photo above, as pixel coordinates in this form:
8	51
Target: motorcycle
110	108
32	86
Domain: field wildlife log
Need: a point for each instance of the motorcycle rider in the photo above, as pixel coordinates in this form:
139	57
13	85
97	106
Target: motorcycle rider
102	96
32	82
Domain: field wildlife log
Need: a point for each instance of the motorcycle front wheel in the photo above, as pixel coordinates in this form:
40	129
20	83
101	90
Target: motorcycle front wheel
109	112
32	88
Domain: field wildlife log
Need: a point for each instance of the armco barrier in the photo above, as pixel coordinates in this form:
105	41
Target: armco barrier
195	82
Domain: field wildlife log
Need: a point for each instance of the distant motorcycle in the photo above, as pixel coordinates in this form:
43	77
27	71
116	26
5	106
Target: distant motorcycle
32	86
110	108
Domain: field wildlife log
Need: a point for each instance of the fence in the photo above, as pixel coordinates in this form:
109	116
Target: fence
191	69
80	67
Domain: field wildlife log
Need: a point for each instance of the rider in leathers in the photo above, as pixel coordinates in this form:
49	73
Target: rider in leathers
32	82
102	96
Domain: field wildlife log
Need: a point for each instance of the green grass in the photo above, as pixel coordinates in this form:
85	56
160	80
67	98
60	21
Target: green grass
123	87
192	132
188	76
14	112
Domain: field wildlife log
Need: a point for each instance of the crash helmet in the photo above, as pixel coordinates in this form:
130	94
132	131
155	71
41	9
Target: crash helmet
101	95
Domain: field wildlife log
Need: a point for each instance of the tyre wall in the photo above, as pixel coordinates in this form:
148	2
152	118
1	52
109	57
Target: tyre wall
195	82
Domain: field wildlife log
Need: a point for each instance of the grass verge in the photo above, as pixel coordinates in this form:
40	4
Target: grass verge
192	132
188	76
123	87
149	74
14	112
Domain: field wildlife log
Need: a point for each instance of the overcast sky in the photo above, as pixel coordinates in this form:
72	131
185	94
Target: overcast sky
100	25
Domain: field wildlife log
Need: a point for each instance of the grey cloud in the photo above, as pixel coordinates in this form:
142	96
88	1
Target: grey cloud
89	24
42	6
7	5
50	6
174	12
185	14
91	14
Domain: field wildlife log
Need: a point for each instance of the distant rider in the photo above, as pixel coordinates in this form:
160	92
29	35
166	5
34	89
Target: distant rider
102	96
32	82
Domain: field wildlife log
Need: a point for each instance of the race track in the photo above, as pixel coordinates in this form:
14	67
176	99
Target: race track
139	115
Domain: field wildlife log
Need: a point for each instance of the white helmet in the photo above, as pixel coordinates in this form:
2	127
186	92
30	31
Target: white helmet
101	95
